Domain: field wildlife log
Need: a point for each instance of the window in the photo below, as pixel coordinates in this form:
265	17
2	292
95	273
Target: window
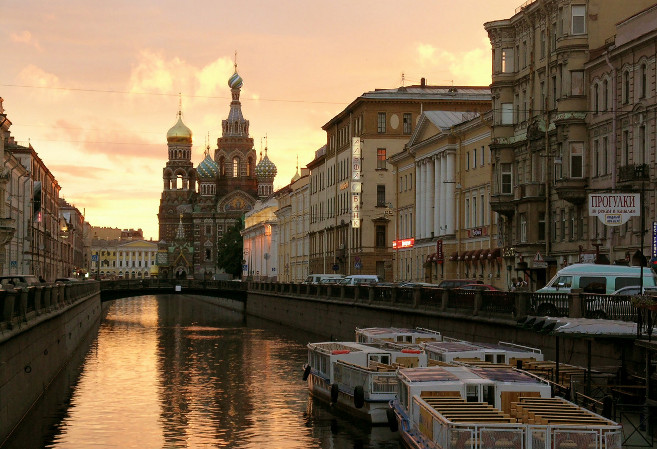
380	158
571	224
522	231
554	226
381	195
507	60
542	44
644	80
408	127
541	225
506	178
554	92
596	98
483	156
381	123
596	158
591	284
626	87
605	93
507	114
563	224
577	82
380	236
579	19
467	160
474	211
626	148
576	159
208	254
643	157
474	158
236	167
467	213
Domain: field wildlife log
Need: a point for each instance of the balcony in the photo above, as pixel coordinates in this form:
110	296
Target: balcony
531	191
636	173
503	204
572	190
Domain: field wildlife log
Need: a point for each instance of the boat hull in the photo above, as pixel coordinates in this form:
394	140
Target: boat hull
373	412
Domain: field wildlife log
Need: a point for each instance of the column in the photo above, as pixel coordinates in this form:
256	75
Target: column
430	197
436	196
451	200
443	194
419	203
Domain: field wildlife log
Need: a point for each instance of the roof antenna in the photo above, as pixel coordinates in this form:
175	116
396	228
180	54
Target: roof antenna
403	79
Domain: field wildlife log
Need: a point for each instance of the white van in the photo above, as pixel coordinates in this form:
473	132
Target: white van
594	278
357	279
319	278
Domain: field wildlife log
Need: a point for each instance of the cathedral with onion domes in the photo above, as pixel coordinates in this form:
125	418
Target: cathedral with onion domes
199	204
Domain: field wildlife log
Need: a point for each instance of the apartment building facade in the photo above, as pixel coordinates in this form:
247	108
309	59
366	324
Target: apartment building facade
540	140
352	225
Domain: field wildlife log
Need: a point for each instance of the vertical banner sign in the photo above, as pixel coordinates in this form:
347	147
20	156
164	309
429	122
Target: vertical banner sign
355	182
439	251
654	240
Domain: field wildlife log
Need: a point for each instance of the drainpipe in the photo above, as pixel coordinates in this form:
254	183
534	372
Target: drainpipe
613	144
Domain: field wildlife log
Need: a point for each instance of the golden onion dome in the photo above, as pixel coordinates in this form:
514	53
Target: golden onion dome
179	133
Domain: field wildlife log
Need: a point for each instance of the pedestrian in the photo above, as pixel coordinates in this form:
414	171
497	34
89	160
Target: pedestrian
514	286
41	279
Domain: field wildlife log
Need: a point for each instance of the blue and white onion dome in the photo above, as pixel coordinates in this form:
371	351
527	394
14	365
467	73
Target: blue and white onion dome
265	170
235	81
208	168
179	133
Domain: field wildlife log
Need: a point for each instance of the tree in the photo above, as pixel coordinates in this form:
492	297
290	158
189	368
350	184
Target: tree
229	250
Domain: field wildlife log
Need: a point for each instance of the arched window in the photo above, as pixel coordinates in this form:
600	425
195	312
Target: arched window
248	166
605	93
644	80
236	167
596	98
626	87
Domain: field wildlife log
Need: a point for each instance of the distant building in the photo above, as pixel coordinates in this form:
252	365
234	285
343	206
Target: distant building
198	204
122	259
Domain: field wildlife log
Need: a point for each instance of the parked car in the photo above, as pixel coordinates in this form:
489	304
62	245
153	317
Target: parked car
632	290
19	280
594	278
68	280
357	279
478	287
455	283
416	284
319	277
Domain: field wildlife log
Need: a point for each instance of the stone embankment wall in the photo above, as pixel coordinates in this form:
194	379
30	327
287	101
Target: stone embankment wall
40	328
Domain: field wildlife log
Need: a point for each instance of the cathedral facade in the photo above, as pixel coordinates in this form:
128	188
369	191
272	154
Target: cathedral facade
199	204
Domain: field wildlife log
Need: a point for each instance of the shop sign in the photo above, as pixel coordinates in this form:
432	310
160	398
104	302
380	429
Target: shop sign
403	243
614	209
477	232
440	257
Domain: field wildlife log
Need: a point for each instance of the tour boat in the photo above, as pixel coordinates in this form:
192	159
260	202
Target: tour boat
358	378
398	335
458	407
450	350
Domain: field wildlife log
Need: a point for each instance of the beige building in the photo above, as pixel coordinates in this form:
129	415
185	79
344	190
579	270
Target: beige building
117	259
445	228
621	140
356	237
260	240
292	216
540	139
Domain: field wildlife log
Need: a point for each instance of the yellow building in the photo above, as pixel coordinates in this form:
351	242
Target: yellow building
352	220
445	228
115	259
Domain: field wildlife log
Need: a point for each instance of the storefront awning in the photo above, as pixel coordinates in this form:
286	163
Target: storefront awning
467	255
475	255
494	254
454	257
484	254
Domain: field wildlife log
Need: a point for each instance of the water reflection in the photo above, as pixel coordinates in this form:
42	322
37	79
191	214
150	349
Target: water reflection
177	372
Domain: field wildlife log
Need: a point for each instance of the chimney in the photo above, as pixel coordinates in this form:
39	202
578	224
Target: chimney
423	82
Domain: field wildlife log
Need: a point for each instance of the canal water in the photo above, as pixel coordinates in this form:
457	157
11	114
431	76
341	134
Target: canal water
173	371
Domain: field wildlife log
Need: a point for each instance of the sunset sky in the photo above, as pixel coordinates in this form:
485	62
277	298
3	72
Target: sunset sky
93	86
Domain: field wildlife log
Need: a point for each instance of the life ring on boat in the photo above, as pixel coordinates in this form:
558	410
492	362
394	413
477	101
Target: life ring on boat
392	420
306	372
411	351
359	396
340	351
334	393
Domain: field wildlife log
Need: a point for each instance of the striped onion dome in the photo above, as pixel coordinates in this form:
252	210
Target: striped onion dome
208	168
235	81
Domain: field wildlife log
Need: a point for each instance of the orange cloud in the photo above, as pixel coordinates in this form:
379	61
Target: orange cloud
25	37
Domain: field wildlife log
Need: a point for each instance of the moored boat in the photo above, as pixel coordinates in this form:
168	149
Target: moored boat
357	378
458	407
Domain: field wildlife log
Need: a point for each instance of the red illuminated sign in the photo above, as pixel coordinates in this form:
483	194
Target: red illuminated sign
403	243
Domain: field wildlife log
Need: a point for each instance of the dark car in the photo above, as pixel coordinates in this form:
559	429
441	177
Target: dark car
456	283
19	280
67	280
